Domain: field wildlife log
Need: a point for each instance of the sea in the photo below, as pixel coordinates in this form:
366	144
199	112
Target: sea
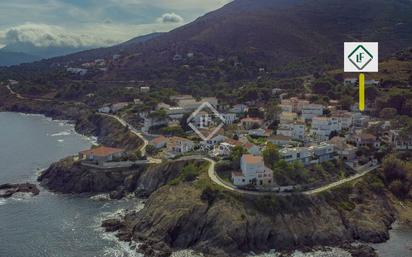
56	225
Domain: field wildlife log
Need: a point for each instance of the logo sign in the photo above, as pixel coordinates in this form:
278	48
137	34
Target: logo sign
361	57
206	121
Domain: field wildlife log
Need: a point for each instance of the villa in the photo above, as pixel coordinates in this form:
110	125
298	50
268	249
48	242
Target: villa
400	142
179	145
102	154
295	130
296	103
309	111
253	171
322	127
302	154
158	142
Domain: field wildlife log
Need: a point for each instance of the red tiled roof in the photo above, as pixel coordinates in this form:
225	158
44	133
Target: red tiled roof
252	159
102	151
159	139
248	145
237	174
367	137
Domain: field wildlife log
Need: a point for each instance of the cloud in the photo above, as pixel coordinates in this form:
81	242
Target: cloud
42	35
170	18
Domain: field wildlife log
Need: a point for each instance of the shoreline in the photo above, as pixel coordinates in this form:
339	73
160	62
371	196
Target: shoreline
56	120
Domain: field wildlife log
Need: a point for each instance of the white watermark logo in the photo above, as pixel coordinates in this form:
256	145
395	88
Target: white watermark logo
206	121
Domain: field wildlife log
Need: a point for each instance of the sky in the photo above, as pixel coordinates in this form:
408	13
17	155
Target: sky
92	23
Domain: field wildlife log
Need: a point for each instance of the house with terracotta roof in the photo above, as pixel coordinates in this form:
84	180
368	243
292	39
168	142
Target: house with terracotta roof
343	149
252	149
365	139
179	145
253	172
102	154
280	140
158	142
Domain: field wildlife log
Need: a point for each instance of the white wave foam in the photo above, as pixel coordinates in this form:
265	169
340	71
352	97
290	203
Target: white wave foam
186	253
330	252
63	133
60	140
3	202
121	249
100	197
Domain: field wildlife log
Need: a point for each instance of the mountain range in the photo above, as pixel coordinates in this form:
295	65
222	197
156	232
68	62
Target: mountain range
275	34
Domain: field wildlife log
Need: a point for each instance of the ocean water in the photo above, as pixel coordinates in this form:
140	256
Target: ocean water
55	225
50	225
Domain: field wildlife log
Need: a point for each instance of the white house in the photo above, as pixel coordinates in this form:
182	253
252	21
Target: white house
102	154
400	142
302	154
260	132
239	108
104	109
229	118
286	117
322	152
344	117
253	172
322	127
295	130
213	141
179	145
144	89
311	110
360	120
297	104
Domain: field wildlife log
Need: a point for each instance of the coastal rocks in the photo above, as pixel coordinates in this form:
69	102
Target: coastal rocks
159	175
112	225
177	217
8	190
108	130
68	176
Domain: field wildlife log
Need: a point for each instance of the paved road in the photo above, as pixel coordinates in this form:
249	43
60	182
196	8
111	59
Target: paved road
137	133
341	182
214	177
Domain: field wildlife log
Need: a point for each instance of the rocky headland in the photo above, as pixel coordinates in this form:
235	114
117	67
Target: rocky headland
197	215
8	190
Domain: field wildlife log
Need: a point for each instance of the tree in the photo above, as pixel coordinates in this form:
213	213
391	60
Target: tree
270	155
235	156
150	149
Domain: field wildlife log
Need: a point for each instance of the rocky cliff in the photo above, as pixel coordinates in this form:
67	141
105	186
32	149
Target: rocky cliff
200	216
108	130
68	176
